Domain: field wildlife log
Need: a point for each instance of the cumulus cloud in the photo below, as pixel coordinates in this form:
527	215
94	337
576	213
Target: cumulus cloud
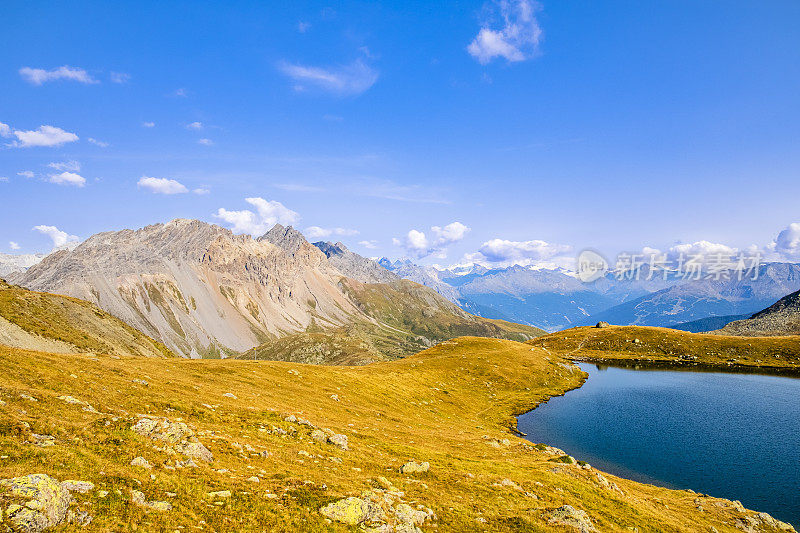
38	76
44	136
526	253
61	239
119	77
101	144
511	31
267	214
5	130
68	178
162	185
341	80
26	174
786	245
369	245
13	245
419	245
316	232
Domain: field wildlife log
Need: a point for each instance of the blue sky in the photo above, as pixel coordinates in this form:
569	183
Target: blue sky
523	130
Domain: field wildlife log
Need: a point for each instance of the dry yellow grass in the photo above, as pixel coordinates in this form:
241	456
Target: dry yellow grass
450	405
669	347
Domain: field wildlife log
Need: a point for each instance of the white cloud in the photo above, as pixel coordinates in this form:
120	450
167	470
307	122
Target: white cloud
354	78
316	232
68	178
44	136
699	248
13	245
61	239
3	179
417	243
303	27
162	185
201	191
268	213
148	124
182	93
370	245
787	244
195	126
298	187
119	77
26	174
5	130
72	166
516	34
101	144
205	142
38	76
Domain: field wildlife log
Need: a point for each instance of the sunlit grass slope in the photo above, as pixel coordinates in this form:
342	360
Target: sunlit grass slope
450	406
38	318
673	347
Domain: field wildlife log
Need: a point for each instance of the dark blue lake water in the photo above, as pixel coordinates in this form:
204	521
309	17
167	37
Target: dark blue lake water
734	436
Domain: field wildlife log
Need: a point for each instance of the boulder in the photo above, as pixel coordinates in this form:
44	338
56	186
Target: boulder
413	467
602	324
34	502
138	498
567	515
339	440
351	511
141	462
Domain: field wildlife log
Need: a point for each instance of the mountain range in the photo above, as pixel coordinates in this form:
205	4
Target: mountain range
206	292
781	318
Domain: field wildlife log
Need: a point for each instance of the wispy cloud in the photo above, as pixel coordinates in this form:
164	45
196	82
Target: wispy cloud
162	185
26	174
119	77
316	232
340	80
101	144
202	191
148	124
390	190
13	245
298	187
71	166
303	27
510	31
195	126
205	142
38	76
369	245
181	93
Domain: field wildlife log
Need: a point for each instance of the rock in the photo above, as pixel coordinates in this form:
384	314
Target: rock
290	418
351	511
43	441
141	382
195	450
72	400
254	479
141	462
412	467
220	494
335	397
77	486
33	503
138	498
28	397
230	395
319	436
407	514
569	516
602	324
80	518
339	440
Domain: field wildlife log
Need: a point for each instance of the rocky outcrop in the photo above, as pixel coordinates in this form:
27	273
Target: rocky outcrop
355	266
379	510
33	503
177	436
567	515
781	318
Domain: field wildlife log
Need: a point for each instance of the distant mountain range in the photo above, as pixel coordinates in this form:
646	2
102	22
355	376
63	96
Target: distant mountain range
557	299
18	263
205	292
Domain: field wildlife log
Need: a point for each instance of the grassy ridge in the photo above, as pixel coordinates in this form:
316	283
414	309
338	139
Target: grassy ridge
672	347
76	322
450	405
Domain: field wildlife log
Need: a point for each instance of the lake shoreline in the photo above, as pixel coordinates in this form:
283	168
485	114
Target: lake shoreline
690	366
